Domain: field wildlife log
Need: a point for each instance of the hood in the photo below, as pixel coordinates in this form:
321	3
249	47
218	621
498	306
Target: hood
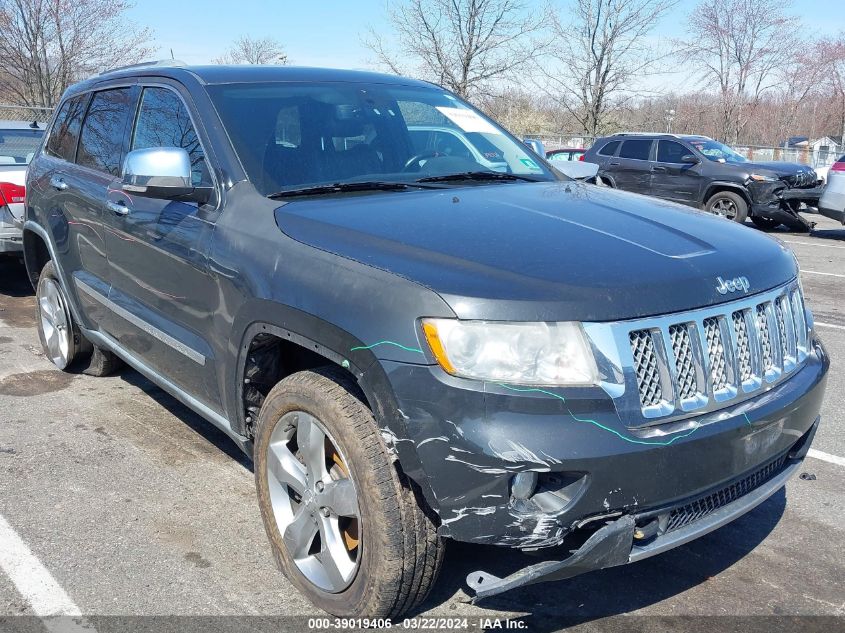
544	251
793	174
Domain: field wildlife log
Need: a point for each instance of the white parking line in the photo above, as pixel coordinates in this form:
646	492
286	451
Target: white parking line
826	457
830	325
816	272
813	244
37	586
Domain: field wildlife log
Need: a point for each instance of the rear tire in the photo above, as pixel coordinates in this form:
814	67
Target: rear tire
765	224
729	205
394	547
60	337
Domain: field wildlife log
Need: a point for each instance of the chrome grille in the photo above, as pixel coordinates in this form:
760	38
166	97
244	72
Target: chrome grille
645	364
716	353
682	351
710	357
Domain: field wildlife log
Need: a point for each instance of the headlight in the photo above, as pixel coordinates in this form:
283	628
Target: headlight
523	353
763	178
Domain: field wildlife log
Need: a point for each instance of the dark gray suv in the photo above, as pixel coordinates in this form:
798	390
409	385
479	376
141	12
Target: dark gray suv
703	173
412	346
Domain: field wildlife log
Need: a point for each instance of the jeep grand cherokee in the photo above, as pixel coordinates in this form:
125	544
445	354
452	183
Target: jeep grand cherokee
411	346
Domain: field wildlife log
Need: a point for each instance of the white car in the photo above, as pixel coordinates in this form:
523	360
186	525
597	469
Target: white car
447	141
18	143
832	202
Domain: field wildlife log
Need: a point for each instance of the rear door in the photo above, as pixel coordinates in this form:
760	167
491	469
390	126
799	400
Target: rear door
631	169
161	289
672	178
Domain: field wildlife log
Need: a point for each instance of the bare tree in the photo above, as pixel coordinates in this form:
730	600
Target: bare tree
463	45
833	52
46	45
737	45
249	50
600	50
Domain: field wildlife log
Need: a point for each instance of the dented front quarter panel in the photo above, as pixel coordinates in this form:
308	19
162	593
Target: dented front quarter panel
470	438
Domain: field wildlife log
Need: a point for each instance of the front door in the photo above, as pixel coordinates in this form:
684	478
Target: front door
161	289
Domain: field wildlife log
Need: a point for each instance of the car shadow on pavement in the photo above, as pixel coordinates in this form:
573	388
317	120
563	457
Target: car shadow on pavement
609	592
837	235
188	417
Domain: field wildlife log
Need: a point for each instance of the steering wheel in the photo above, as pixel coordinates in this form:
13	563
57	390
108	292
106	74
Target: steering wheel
416	158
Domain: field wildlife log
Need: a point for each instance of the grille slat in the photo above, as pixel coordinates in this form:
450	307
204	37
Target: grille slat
716	352
684	364
687	364
645	364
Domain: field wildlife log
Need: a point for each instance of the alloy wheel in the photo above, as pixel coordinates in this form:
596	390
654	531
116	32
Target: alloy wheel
55	323
314	500
725	207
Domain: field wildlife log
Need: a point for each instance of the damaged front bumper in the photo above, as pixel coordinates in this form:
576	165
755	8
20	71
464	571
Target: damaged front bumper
631	537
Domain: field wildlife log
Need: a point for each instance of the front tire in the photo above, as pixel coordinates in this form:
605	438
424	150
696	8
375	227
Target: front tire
729	205
345	525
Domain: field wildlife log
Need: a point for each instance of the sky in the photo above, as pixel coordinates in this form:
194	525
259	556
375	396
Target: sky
328	32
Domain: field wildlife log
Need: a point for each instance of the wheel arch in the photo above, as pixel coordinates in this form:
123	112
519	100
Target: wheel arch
286	340
719	186
36	253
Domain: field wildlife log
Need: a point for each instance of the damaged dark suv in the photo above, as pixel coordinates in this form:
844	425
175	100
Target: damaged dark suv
411	346
703	173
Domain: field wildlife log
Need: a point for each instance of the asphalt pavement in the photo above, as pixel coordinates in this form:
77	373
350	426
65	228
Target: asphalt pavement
124	509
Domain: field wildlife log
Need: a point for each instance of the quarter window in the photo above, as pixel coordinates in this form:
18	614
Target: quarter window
65	132
609	149
638	149
671	152
101	140
163	121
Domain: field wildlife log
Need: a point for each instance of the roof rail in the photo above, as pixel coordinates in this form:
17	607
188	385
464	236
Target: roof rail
164	63
645	134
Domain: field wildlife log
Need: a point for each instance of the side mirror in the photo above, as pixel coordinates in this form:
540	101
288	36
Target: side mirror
691	159
161	172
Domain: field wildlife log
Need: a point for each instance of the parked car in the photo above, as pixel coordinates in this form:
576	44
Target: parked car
413	347
703	173
565	155
452	141
18	142
832	201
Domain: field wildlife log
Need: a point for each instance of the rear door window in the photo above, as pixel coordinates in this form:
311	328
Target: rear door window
609	149
671	152
65	132
638	149
163	121
104	129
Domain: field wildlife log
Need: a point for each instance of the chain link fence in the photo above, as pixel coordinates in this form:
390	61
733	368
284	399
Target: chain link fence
24	113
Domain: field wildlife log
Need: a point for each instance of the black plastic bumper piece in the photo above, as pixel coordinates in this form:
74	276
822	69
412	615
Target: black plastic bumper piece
608	547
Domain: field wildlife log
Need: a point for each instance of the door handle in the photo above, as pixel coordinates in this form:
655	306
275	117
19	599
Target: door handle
118	208
658	168
58	183
614	164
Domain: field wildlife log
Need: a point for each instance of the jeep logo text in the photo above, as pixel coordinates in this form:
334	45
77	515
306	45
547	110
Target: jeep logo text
732	285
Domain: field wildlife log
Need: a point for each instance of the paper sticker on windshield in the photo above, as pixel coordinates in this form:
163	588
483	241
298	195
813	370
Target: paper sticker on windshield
468	120
529	163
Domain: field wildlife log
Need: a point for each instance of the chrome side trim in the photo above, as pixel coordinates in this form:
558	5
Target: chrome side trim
104	340
140	323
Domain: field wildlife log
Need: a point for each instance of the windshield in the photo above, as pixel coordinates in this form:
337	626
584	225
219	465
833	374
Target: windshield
18	146
718	152
294	135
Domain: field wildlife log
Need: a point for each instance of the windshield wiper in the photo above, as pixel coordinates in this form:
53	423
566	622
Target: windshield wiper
342	187
477	175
